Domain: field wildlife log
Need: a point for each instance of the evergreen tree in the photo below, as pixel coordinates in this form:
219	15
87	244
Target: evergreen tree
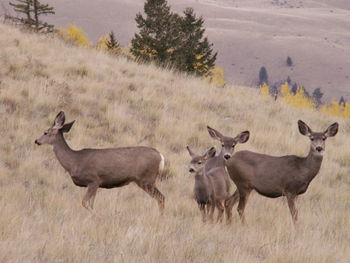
263	76
294	88
289	61
195	53
342	101
33	9
306	93
289	80
23	6
317	95
158	33
112	43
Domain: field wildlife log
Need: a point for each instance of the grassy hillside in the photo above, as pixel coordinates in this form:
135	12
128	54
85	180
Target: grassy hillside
248	34
120	103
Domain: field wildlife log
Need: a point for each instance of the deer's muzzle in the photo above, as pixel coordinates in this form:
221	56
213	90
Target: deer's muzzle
227	156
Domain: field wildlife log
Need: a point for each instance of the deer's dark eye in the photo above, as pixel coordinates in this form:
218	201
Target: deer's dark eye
222	145
233	146
312	138
324	138
200	162
46	133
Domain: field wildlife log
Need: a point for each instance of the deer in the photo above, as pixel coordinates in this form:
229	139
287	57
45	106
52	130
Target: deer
105	168
215	169
203	187
274	177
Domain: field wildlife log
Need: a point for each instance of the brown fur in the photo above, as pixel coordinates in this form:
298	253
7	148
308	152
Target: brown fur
204	192
272	176
105	168
216	171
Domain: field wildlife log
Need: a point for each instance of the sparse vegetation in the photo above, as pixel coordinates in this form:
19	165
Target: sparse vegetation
121	103
32	11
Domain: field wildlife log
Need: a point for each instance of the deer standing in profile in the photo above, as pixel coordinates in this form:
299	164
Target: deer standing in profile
105	168
273	176
203	186
215	169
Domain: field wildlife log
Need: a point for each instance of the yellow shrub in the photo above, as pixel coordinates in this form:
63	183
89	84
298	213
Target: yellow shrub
298	99
75	35
217	77
101	43
265	90
334	108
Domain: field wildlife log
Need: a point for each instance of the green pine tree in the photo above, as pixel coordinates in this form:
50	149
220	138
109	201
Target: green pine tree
158	33
112	43
195	53
33	9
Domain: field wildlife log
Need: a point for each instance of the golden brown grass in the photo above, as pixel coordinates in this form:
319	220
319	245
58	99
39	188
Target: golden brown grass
120	103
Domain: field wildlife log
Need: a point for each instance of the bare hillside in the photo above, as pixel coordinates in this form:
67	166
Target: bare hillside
116	102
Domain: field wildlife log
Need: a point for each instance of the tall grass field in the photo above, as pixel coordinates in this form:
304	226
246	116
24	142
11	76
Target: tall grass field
116	102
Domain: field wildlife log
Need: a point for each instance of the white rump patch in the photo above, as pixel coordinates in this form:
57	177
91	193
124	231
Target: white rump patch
161	163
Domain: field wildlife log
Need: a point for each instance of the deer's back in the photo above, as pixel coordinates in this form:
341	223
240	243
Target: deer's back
119	166
269	175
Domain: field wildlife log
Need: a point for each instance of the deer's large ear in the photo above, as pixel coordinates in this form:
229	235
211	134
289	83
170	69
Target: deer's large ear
332	130
304	129
214	133
67	127
59	120
210	153
242	137
192	154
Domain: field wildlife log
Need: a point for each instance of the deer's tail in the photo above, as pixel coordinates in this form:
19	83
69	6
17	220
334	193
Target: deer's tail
161	164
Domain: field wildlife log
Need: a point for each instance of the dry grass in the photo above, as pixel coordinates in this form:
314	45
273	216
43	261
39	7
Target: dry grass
119	103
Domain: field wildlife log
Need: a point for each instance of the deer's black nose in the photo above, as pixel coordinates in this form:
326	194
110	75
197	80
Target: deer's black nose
227	156
191	170
36	142
319	148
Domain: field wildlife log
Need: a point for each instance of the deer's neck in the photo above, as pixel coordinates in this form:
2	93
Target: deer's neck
219	160
313	163
65	155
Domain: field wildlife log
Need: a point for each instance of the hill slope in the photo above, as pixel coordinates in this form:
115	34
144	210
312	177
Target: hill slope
248	35
120	103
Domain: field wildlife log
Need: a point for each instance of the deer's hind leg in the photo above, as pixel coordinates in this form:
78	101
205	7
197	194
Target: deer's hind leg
203	209
221	210
155	193
211	209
